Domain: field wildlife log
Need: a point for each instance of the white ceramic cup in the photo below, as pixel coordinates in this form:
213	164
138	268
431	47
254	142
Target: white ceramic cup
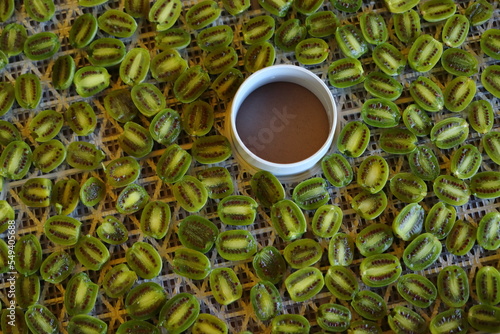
283	73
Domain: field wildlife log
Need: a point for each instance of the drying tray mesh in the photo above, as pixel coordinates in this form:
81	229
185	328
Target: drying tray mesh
238	315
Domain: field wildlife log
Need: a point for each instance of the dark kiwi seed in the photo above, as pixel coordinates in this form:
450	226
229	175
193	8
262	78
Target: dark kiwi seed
145	300
403	320
62	230
49	155
144	259
369	305
266	188
80	294
57	267
27	290
225	285
453	286
87	324
92	191
40	317
118	280
409	222
112	231
179	313
417	290
289	34
236	245
341	282
380	270
197	233
304	284
137	327
266	300
488	230
65	196
269	264
135	140
288	220
91	252
36	192
440	220
422	252
155	219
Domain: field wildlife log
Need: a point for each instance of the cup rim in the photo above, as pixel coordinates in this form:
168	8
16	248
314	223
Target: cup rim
292	165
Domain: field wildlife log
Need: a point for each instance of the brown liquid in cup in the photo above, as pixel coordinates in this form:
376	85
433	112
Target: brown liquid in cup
282	122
